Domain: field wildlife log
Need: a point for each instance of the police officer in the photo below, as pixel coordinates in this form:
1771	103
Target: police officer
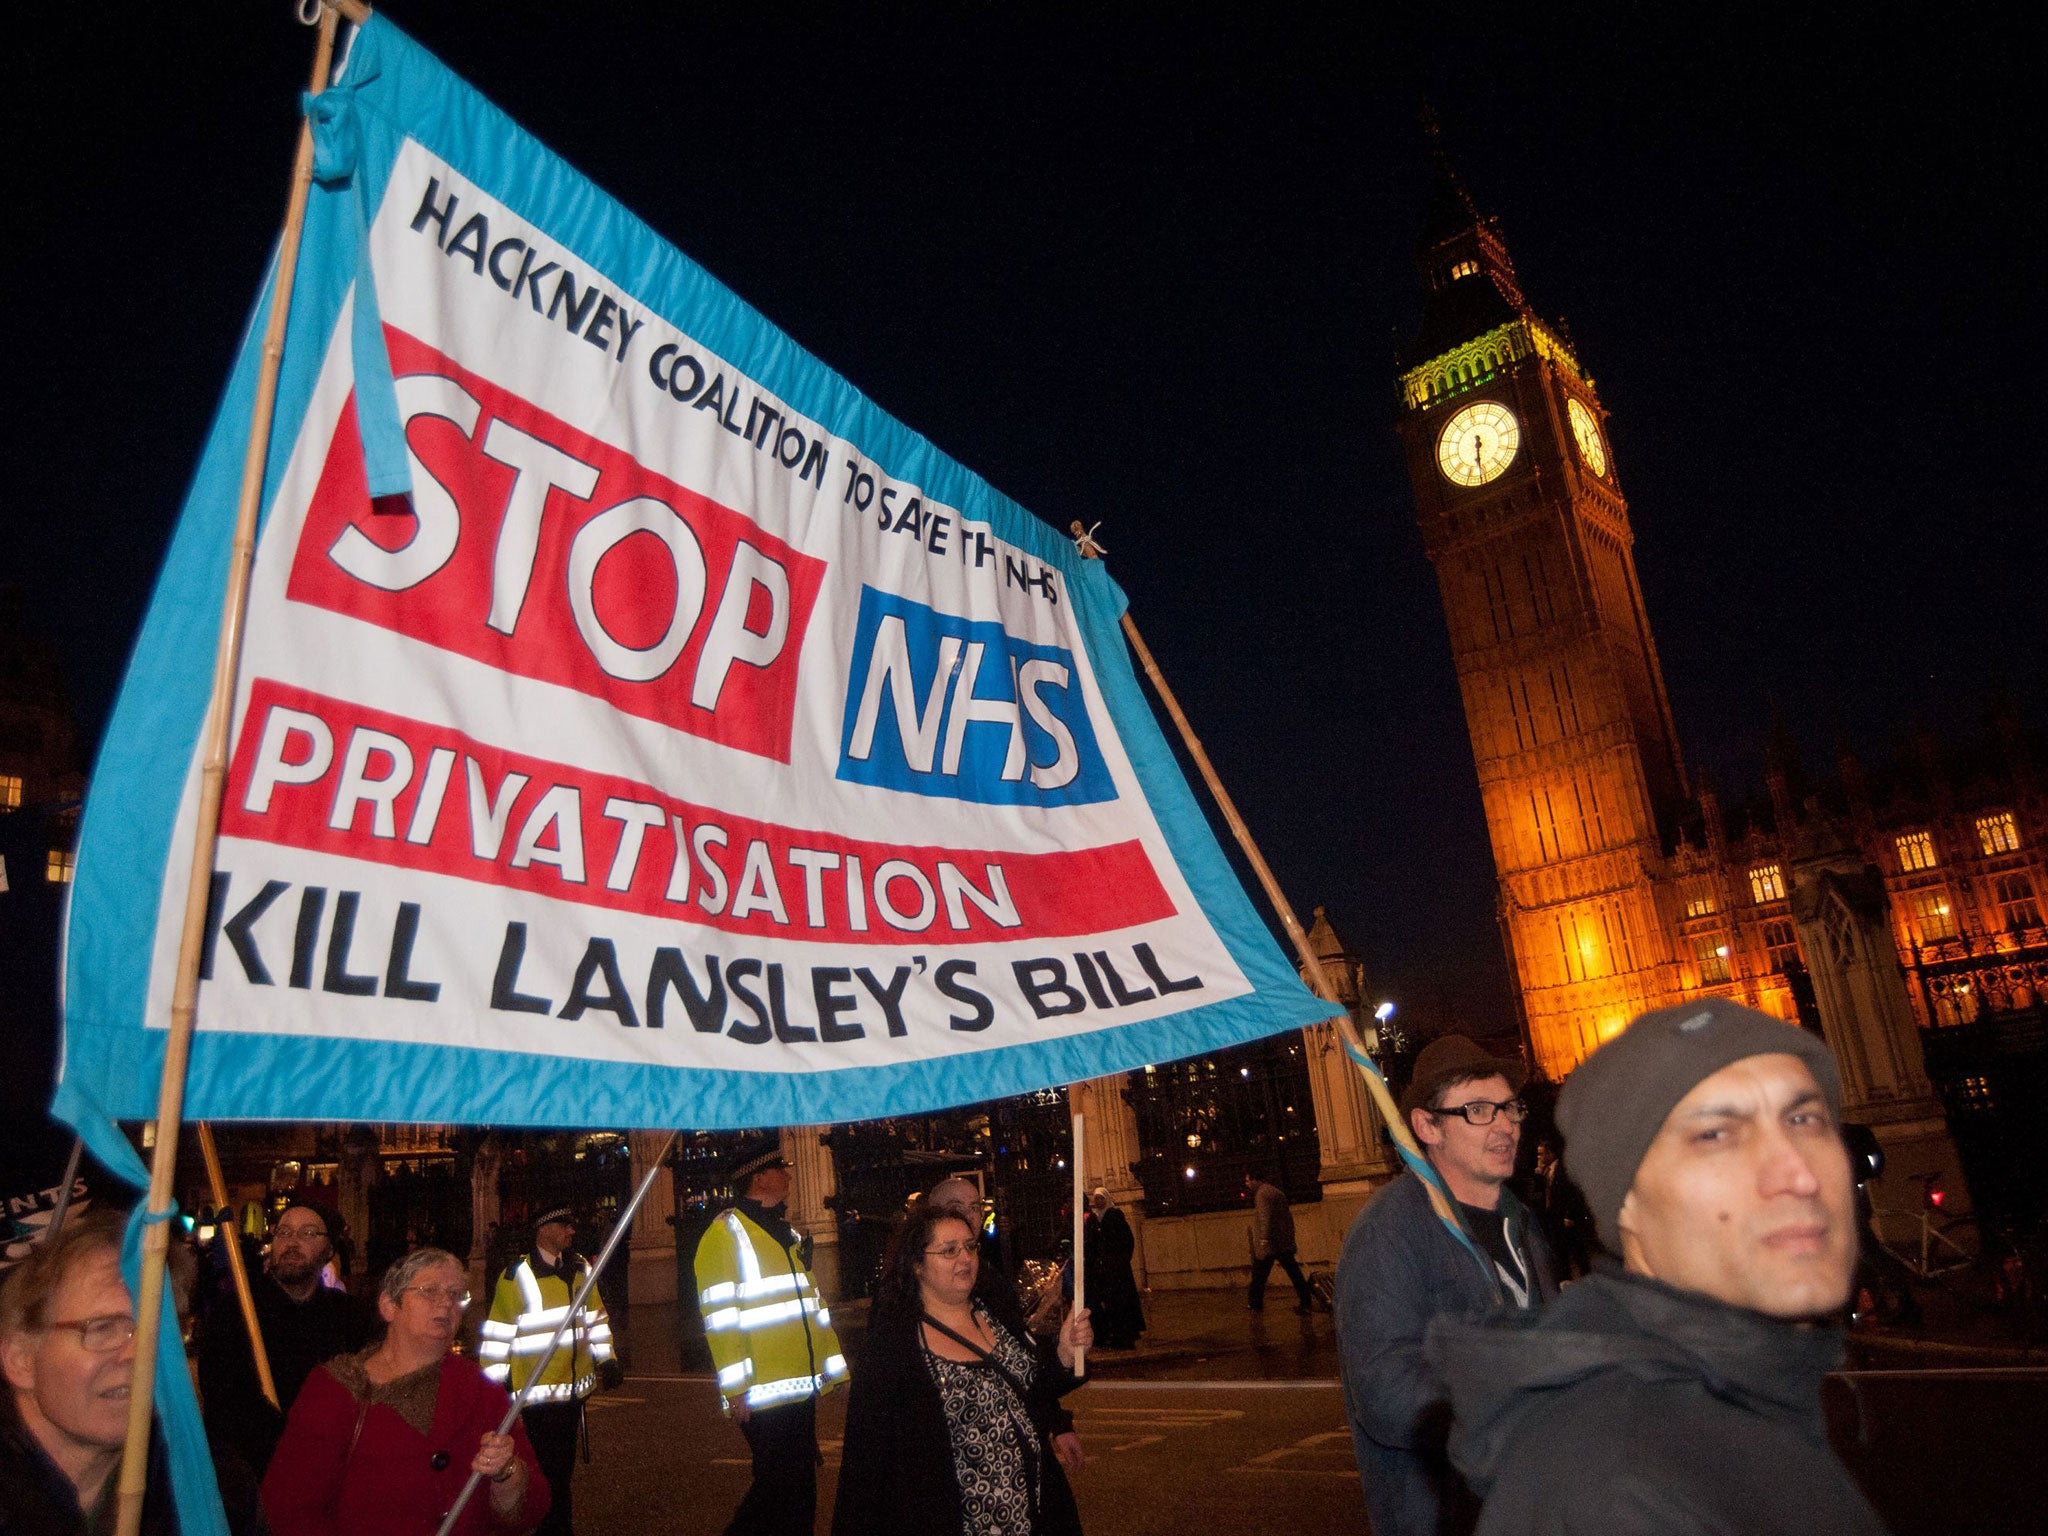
525	1307
771	1340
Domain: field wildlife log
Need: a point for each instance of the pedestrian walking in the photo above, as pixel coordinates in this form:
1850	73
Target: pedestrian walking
527	1302
1118	1313
771	1341
1402	1267
1272	1240
381	1442
1680	1390
941	1435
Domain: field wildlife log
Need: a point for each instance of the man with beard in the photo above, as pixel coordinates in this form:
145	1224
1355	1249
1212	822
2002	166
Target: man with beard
304	1324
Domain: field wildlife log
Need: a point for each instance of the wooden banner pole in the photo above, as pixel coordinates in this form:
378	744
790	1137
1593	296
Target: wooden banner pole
233	1238
63	1204
1080	1227
1311	963
219	712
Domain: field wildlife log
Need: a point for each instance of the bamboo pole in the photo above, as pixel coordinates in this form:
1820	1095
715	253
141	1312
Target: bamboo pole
237	1268
569	1315
206	828
1080	1231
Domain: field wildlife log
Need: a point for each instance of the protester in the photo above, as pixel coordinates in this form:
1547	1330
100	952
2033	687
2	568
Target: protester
380	1442
304	1323
1112	1289
1401	1267
1273	1243
772	1343
67	1344
527	1304
941	1439
999	1299
1680	1391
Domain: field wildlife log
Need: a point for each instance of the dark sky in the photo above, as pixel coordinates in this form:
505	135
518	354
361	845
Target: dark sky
1149	265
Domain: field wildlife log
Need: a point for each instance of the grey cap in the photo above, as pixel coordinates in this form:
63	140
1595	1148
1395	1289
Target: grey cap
1614	1105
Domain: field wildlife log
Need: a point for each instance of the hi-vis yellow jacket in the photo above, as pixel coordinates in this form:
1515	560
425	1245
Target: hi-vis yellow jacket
770	1332
524	1310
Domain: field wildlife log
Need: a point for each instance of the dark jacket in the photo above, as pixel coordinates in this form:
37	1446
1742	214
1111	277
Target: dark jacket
297	1336
1400	1269
896	1474
36	1499
1633	1409
1272	1222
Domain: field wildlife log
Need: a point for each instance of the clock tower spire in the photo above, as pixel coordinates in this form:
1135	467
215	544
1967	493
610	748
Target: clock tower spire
1521	510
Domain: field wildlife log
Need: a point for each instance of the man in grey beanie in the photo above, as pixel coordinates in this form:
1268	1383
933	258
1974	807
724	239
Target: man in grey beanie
1679	1390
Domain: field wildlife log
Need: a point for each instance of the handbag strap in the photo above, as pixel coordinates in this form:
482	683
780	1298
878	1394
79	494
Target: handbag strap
1009	1377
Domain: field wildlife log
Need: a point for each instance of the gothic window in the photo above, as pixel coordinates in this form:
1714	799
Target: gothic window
1464	269
2017	907
63	863
1711	951
1781	944
1766	883
10	791
1933	917
1998	833
1916	851
1699	899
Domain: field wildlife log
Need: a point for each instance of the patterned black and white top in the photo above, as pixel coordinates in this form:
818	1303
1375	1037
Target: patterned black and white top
995	1446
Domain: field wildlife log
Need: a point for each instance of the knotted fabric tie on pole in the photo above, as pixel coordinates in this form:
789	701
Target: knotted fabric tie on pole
337	148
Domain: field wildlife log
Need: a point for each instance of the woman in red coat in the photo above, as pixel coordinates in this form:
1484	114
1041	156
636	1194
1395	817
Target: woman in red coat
380	1443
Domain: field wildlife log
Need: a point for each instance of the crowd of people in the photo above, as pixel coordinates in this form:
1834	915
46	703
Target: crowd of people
1674	1388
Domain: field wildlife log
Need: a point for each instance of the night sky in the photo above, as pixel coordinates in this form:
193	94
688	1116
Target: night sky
1150	268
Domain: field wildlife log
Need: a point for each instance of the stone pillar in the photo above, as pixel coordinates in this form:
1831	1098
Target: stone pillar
650	1268
813	1181
359	1167
1355	1161
1111	1152
1842	915
483	1211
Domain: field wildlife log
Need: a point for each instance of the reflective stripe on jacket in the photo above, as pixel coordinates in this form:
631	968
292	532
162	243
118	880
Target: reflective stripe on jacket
769	1330
525	1308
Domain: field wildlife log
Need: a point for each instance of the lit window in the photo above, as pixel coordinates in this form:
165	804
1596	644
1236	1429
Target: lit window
1767	883
1464	269
1998	833
1916	851
1781	940
1699	899
1932	915
10	792
1712	953
61	864
2017	907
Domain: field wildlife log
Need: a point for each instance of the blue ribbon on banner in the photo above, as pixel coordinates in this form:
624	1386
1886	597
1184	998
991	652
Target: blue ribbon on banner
337	150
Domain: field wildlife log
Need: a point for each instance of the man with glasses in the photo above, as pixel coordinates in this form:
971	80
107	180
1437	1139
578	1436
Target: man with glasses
304	1323
1402	1267
67	1344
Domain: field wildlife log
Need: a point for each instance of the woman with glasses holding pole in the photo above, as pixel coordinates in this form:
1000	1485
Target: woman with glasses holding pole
940	1435
382	1441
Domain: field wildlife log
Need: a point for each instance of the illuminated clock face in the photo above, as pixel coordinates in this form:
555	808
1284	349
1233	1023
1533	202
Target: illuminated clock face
1587	431
1478	444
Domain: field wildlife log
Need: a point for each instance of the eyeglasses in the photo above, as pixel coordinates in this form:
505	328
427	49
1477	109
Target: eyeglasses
949	1250
104	1334
299	1234
447	1293
1482	1111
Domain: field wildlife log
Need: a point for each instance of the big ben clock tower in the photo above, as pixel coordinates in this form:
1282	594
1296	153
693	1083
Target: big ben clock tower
1520	505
